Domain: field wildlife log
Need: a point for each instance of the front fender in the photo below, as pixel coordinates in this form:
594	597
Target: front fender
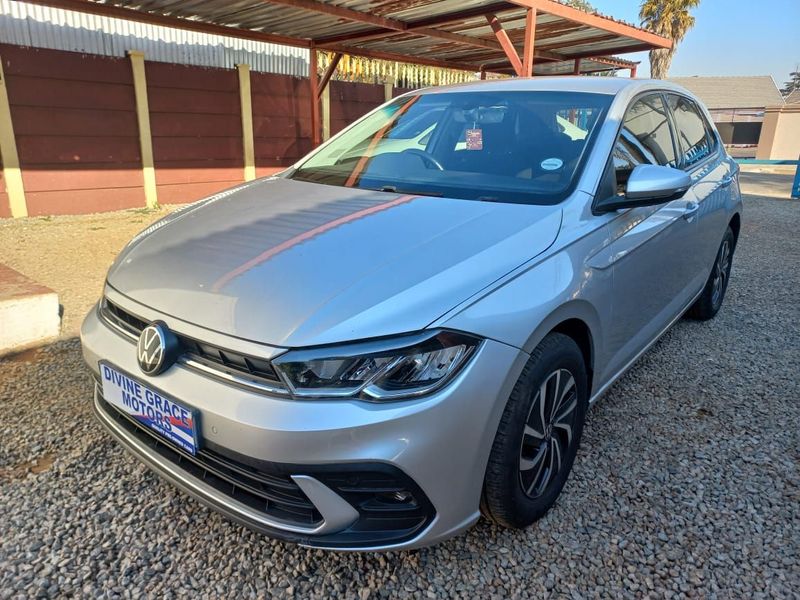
523	310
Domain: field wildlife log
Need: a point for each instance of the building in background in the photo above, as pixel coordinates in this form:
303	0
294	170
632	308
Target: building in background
737	105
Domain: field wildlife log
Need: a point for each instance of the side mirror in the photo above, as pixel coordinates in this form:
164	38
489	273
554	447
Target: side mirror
648	185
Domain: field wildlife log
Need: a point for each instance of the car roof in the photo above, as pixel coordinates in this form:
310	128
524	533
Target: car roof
597	85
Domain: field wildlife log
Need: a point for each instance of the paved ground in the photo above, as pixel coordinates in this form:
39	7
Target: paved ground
687	483
766	183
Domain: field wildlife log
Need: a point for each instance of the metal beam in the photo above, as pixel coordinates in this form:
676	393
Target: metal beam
530	38
607	51
341	13
423	31
577	68
614	62
424	25
462	15
586	41
505	42
313	82
382	22
326	76
485	58
592	20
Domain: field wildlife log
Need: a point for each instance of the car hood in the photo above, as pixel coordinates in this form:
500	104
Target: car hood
292	264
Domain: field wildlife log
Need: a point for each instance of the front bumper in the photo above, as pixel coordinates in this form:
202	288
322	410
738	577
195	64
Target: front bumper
436	447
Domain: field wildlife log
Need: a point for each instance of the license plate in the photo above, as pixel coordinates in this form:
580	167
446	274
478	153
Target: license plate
170	419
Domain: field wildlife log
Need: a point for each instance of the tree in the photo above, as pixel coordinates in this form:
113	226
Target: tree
793	83
583	5
668	18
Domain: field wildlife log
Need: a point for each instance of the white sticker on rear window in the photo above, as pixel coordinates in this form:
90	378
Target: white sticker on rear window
551	164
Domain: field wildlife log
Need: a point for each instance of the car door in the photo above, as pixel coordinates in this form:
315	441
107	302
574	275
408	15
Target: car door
650	249
701	155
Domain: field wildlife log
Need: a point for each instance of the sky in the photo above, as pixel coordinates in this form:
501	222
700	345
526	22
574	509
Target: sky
730	37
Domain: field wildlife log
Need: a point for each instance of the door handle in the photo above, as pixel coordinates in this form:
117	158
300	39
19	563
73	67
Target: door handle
691	210
726	182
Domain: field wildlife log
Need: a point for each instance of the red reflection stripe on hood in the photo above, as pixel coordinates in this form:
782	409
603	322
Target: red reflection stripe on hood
305	236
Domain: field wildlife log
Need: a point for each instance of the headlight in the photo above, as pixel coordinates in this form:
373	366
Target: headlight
377	370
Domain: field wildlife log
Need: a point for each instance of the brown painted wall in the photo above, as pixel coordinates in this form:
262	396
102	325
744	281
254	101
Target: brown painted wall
281	120
196	126
75	123
349	101
77	134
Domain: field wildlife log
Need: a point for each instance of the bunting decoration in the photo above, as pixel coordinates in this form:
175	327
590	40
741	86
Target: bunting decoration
404	75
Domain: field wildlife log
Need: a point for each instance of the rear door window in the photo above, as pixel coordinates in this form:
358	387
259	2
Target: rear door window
694	133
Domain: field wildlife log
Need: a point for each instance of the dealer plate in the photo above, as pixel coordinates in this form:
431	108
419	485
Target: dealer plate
170	419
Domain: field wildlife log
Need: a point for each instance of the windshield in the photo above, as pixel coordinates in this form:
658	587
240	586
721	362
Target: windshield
509	147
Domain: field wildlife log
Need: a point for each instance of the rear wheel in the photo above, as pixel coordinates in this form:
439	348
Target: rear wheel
710	300
538	435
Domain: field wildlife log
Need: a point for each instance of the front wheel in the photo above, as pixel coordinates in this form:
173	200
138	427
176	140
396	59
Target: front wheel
538	435
710	300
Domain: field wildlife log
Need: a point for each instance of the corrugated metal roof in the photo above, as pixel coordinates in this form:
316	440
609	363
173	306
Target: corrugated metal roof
756	91
450	33
26	24
588	65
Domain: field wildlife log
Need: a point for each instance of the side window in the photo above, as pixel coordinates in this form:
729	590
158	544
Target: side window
694	133
645	139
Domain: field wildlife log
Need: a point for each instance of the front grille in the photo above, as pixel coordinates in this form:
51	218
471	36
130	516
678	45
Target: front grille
273	494
223	361
121	318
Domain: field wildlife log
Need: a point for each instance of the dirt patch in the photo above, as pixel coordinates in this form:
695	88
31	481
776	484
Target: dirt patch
22	470
71	254
26	356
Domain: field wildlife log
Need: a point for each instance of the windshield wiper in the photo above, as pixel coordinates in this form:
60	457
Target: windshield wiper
393	189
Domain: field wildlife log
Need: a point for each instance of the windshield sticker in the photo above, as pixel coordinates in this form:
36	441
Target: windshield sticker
474	139
551	164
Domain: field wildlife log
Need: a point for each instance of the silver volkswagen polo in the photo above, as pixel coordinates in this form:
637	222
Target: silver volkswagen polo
404	330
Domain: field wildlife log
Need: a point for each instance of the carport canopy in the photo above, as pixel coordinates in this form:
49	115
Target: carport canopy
517	37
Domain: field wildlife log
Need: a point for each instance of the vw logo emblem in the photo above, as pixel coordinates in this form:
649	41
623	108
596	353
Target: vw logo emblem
156	349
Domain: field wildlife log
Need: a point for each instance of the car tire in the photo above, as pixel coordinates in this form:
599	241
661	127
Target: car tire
710	300
535	445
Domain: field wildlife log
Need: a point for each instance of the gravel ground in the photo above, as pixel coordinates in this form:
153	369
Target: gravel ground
686	485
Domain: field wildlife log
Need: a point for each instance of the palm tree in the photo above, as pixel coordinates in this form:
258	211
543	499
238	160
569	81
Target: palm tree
671	19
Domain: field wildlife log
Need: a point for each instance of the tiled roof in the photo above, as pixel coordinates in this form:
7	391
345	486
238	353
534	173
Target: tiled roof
757	91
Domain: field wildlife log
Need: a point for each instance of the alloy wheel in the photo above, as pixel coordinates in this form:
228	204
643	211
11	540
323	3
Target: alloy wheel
548	432
721	271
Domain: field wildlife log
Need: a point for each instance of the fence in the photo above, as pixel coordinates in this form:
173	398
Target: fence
75	138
